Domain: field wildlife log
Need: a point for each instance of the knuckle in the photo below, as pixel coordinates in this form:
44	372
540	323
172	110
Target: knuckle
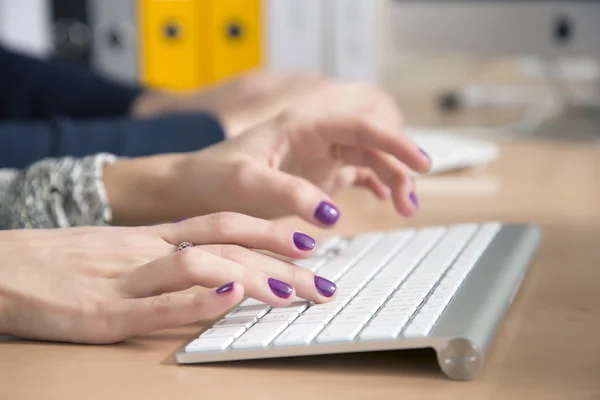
97	320
223	224
235	253
162	304
185	260
296	192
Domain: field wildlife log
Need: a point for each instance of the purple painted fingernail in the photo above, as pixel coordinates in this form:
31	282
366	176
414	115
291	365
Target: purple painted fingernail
425	154
304	242
413	198
225	288
181	220
327	213
280	289
324	287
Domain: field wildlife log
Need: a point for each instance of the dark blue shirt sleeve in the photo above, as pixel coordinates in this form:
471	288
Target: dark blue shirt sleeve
23	143
33	89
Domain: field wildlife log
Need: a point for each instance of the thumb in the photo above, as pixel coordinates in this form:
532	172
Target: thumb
298	196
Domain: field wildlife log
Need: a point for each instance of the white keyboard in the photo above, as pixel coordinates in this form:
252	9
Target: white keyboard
393	289
450	151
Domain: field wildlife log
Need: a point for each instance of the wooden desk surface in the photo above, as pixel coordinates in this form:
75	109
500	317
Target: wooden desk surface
547	348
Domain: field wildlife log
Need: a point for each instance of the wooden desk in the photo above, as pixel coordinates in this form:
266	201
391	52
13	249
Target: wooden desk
547	348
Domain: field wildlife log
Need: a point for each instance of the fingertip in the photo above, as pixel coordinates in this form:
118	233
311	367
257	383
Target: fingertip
427	159
231	293
304	242
327	214
326	289
282	292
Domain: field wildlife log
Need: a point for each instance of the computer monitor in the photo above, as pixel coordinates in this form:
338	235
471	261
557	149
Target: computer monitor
548	30
545	28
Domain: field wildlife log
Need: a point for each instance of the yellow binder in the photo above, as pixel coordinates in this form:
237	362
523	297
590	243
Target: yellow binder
186	44
236	36
174	50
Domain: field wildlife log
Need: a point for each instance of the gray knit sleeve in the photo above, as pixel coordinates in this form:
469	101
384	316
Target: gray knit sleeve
55	193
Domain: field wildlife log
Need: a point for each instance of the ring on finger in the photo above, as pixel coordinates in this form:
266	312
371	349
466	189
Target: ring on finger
184	245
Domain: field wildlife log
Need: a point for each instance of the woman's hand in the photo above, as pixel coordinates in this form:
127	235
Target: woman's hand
240	103
337	136
104	284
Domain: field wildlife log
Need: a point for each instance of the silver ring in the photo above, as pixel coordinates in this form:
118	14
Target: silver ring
184	245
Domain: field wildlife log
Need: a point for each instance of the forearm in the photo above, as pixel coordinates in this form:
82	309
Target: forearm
55	193
24	143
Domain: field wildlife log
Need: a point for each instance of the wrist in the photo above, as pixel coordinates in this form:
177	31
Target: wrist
140	190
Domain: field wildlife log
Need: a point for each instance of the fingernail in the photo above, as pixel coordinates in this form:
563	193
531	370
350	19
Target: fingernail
303	241
225	288
413	198
425	154
181	220
324	287
327	213
280	289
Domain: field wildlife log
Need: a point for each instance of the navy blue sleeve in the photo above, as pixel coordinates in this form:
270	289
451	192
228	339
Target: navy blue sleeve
39	89
23	143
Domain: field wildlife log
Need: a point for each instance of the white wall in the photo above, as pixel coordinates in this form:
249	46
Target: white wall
24	25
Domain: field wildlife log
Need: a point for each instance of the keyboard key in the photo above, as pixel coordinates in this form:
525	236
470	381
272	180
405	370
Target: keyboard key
279	317
260	335
314	318
338	333
294	307
326	245
396	320
249	311
209	344
229	322
417	331
390	310
234	332
324	308
252	302
345	318
381	332
379	300
298	335
361	308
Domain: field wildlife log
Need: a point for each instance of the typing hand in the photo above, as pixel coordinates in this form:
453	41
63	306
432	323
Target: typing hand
106	284
240	103
337	136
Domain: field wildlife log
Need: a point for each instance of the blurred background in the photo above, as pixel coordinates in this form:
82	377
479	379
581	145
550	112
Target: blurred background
535	64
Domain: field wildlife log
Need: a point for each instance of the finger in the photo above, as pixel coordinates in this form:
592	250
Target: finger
360	177
345	177
240	229
368	131
367	179
170	310
297	196
389	170
196	267
307	285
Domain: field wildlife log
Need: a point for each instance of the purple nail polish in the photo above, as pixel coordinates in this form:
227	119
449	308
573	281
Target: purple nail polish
181	220
225	288
327	213
425	154
324	287
304	242
280	289
413	198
